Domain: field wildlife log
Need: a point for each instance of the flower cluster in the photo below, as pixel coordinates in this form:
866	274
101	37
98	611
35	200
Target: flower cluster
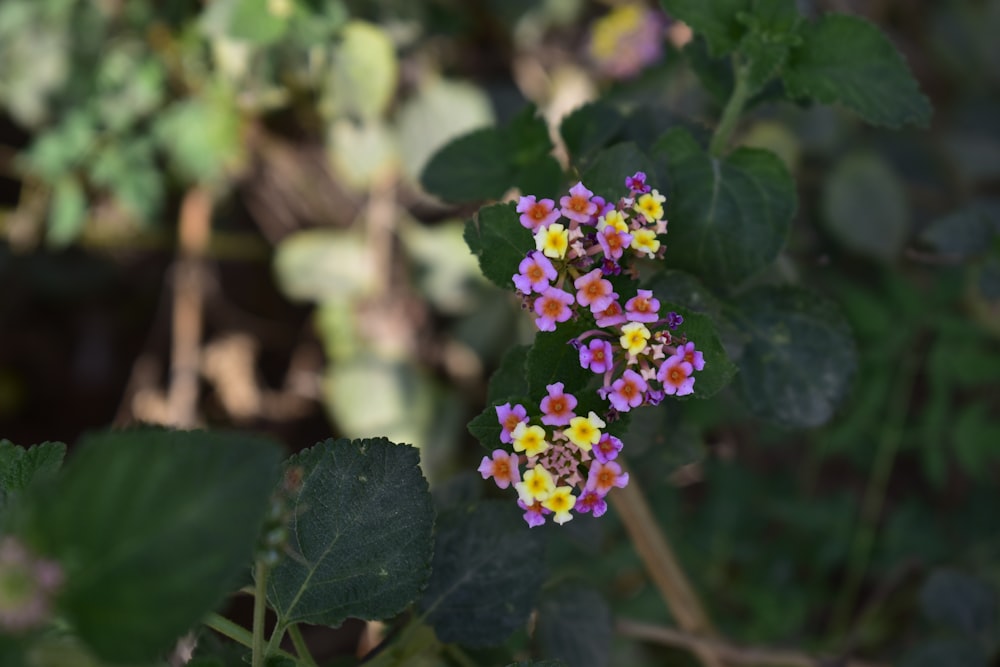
627	39
579	248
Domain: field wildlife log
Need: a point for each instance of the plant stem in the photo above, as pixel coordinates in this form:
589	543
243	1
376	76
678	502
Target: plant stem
874	499
259	610
234	631
734	108
300	646
413	640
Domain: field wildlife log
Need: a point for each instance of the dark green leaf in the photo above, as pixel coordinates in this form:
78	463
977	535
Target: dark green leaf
772	32
497	237
865	206
848	60
728	218
961	602
510	378
717	20
945	653
538	663
19	467
552	359
153	527
574	625
715	74
468	169
361	534
799	356
485	427
607	172
67	213
542	178
526	138
589	129
967	232
488	568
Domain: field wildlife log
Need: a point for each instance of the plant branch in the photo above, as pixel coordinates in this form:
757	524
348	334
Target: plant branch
234	631
259	611
300	646
744	656
731	113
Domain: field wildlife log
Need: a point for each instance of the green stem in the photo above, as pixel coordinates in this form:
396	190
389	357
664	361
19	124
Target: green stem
414	639
234	631
734	108
885	457
259	610
300	646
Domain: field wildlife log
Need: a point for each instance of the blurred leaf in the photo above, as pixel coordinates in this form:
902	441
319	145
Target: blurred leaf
63	147
470	168
865	206
945	653
589	129
479	550
361	151
35	60
510	379
183	506
976	437
717	21
258	22
848	60
361	532
324	265
131	171
777	138
365	71
715	73
966	232
574	625
497	238
67	212
772	27
799	357
542	178
201	136
728	218
961	602
608	170
19	467
449	272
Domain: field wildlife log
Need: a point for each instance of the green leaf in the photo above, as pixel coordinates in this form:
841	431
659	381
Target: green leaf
865	206
960	602
968	232
799	356
200	135
715	73
254	22
976	436
470	168
728	217
552	359
527	137
945	652
497	237
510	378
717	20
848	60
542	178
19	467
773	26
574	625
590	128
607	172
152	528
324	265
67	214
361	534
365	71
488	569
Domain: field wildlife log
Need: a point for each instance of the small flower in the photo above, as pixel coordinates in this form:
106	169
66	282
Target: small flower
634	337
591	501
551	307
594	291
692	356
577	205
603	208
535	272
502	468
529	439
674	320
607	448
535	214
613	219
644	241
596	356
611	316
552	240
557	406
537	485
535	512
613	241
585	432
27	586
651	205
675	374
509	417
643	307
603	476
560	501
627	39
627	391
637	183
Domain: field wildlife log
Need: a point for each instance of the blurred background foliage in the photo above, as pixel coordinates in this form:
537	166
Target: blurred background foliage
339	296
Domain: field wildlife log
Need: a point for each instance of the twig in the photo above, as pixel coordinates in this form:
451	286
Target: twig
661	563
746	656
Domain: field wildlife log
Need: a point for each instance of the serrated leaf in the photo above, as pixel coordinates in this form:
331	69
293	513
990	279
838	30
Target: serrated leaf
608	170
485	427
497	237
865	206
961	602
152	528
848	60
574	625
542	178
728	217
20	467
772	27
361	533
967	232
510	378
589	129
552	359
715	73
527	137
716	20
469	168
799	357
480	551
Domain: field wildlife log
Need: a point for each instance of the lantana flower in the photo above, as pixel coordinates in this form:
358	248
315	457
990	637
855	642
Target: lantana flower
502	467
536	213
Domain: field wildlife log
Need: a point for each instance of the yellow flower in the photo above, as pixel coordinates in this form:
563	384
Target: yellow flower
529	439
651	205
552	241
634	337
585	432
644	241
613	218
561	501
537	485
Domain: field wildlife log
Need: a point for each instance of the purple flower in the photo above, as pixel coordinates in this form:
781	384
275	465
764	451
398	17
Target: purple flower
591	501
551	307
597	356
535	514
607	448
643	307
509	417
674	320
603	476
675	375
627	392
536	213
534	273
637	183
593	291
613	315
577	205
613	242
692	356
557	406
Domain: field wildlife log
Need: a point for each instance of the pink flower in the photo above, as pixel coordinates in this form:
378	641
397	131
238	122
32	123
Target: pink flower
637	183
593	291
535	214
611	316
535	512
509	418
603	207
577	206
597	356
675	374
557	406
591	501
691	355
607	448
627	391
535	272
551	307
643	307
502	468
613	242
603	476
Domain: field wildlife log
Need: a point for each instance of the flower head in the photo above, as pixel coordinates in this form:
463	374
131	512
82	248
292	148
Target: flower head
650	205
603	476
593	291
634	337
585	432
502	467
692	356
551	307
534	513
560	501
552	241
627	391
596	355
607	448
529	439
509	417
643	307
537	485
675	375
535	272
577	205
611	316
644	241
536	213
636	183
591	501
557	406
613	241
